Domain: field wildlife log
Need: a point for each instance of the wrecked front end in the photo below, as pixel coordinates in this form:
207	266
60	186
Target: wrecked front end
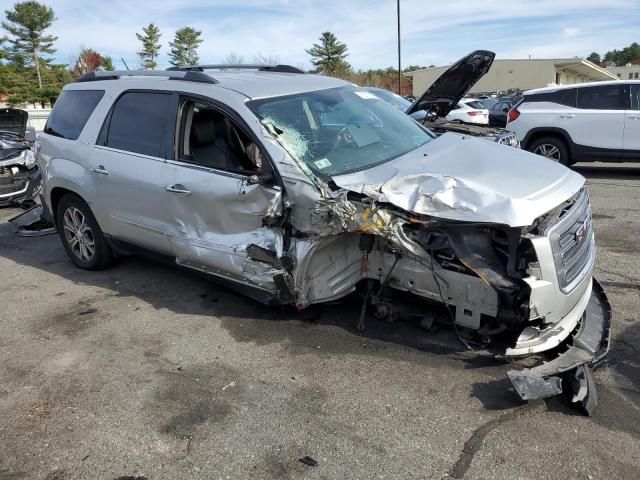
20	178
534	283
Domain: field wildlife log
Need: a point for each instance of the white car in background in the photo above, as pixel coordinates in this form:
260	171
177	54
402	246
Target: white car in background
469	110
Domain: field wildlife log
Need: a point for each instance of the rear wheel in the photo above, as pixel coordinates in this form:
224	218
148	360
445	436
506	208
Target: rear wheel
81	235
551	147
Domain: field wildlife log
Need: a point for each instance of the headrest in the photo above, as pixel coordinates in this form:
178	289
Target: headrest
203	128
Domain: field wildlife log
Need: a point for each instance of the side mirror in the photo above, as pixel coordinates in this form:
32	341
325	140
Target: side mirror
419	115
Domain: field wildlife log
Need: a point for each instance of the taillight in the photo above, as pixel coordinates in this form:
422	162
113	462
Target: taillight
473	113
513	114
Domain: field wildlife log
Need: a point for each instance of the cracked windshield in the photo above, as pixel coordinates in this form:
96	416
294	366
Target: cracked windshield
339	130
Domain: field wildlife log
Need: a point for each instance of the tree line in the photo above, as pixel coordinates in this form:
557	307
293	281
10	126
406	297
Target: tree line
619	57
30	76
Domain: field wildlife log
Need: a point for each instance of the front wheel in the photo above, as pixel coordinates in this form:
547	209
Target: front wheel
81	235
551	147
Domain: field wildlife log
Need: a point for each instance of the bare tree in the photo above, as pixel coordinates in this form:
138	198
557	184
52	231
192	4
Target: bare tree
234	59
260	59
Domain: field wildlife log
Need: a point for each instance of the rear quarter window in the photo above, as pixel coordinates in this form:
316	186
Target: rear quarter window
71	112
476	104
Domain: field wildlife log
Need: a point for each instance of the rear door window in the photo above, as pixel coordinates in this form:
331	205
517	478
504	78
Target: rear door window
140	123
604	97
635	97
71	112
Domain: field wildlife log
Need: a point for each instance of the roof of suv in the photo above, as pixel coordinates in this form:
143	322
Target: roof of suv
250	83
555	88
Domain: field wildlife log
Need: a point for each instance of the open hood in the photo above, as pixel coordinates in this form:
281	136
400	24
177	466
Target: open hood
468	179
454	84
13	120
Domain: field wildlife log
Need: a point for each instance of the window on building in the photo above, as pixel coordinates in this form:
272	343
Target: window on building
139	123
635	75
630	75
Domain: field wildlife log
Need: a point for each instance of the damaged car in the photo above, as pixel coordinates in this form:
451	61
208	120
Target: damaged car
300	189
447	92
19	175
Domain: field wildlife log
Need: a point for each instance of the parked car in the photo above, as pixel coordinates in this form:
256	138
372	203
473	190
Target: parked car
469	110
583	122
19	175
301	189
498	114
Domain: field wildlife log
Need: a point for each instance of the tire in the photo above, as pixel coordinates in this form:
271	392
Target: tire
81	235
553	148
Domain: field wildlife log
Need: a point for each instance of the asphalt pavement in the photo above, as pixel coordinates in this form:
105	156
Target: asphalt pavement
145	371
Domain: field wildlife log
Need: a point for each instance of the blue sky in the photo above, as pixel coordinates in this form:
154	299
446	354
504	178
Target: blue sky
433	32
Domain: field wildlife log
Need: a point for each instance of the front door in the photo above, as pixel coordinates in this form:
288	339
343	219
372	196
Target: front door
129	169
221	198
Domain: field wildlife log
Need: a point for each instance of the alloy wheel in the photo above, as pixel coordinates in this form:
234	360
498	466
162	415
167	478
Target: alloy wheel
78	234
548	150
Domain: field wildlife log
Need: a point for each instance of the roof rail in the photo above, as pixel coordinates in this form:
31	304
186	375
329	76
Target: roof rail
237	66
185	75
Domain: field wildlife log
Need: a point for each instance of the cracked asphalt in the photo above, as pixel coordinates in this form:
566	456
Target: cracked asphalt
145	371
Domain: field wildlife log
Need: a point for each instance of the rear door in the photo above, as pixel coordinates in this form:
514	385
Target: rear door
596	126
128	163
222	197
632	125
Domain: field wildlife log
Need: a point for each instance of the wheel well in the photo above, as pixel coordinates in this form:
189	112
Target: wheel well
56	194
545	134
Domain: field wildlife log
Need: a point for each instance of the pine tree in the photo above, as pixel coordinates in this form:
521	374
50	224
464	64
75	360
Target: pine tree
329	55
150	46
184	47
27	23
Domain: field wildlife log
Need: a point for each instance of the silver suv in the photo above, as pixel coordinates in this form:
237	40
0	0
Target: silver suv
301	189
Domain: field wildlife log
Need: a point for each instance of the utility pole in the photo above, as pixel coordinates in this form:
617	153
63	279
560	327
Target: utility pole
399	58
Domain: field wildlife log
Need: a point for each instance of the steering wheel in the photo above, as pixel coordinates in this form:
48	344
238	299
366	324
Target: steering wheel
344	138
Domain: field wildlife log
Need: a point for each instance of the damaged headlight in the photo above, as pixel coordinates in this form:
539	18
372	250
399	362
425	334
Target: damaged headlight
25	158
29	158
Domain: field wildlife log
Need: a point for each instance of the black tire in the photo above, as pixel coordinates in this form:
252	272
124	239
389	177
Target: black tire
90	249
554	147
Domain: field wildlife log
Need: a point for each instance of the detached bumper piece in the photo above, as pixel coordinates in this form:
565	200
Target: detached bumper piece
571	369
35	222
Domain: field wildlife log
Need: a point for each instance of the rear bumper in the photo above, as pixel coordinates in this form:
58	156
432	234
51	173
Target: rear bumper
587	347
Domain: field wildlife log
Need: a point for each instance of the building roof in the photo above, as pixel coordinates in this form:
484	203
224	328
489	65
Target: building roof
554	88
580	65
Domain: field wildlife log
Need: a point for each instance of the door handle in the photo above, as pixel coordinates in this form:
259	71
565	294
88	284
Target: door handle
178	189
100	170
567	115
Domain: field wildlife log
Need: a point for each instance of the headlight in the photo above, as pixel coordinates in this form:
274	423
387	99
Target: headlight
510	139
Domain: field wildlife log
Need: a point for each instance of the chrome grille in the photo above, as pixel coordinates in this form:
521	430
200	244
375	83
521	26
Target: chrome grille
572	243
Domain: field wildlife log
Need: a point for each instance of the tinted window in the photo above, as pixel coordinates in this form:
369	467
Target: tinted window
566	96
71	112
605	97
139	123
635	97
